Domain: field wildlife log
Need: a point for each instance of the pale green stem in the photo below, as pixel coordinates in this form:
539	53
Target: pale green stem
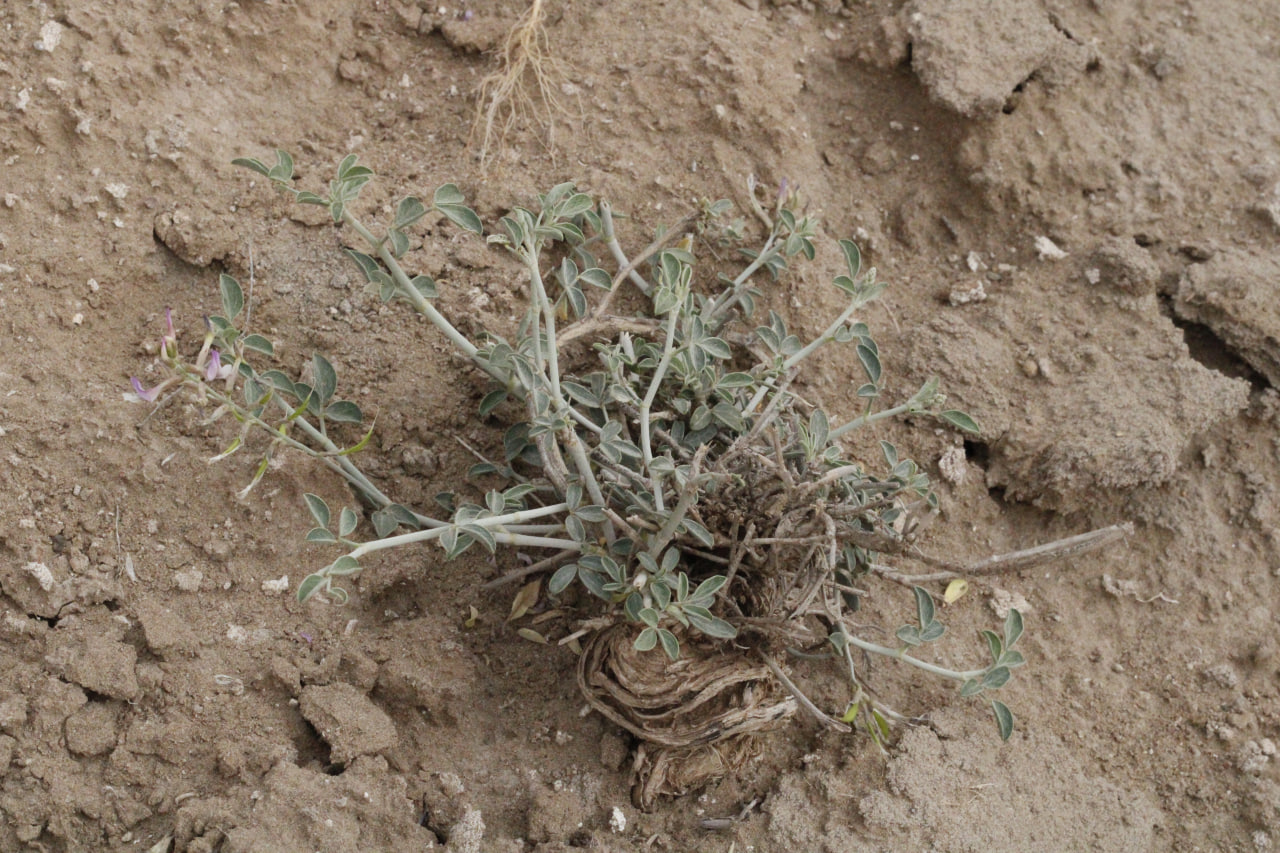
578	453
732	296
619	257
520	540
863	420
767	385
419	302
583	421
533	529
901	654
826	337
548	310
687	497
345	468
568	437
646	447
499	521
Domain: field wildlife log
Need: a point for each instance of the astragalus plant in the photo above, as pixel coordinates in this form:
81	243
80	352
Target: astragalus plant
658	457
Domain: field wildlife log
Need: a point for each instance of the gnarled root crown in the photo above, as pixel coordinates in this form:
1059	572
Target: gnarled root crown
697	718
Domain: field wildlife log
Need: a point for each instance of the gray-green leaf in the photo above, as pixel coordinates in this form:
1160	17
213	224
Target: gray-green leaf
347	521
324	377
647	640
670	644
1012	627
344	565
232	296
712	626
924	606
409	211
252	163
344	412
310	585
852	257
449	200
596	277
562	578
960	420
995	678
870	363
425	285
319	509
384	523
258	343
1004	718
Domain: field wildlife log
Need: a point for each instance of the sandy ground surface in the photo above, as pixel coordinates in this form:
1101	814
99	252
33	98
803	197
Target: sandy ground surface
1076	202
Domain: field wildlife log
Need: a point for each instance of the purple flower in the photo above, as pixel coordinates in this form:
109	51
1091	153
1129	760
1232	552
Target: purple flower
213	367
169	340
147	394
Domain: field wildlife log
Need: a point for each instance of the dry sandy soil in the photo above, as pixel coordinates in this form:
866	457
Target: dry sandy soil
151	687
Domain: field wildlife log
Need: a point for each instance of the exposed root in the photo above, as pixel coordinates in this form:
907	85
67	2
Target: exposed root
697	716
526	88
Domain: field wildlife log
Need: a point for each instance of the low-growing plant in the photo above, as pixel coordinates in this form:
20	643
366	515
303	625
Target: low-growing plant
660	456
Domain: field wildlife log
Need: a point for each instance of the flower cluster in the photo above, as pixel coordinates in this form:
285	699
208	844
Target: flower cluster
207	366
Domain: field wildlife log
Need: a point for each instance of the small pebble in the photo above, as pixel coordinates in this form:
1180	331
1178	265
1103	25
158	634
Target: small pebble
1048	250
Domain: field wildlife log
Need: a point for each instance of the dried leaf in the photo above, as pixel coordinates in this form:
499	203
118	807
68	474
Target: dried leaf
525	598
955	590
532	636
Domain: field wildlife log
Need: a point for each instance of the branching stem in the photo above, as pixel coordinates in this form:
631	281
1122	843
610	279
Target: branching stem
497	521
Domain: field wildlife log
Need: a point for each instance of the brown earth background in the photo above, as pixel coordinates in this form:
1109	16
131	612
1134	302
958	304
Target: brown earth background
1077	204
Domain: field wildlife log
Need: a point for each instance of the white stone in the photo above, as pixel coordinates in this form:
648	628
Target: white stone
188	580
951	465
50	36
276	587
41	573
1002	600
1048	250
